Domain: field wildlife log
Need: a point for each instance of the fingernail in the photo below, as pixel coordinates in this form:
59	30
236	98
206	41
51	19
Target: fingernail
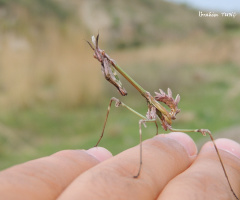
99	153
227	145
185	140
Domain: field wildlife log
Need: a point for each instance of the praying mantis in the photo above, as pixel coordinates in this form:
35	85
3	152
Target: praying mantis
155	109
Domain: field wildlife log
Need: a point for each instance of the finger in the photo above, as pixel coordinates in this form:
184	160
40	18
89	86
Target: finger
99	153
47	177
164	157
205	178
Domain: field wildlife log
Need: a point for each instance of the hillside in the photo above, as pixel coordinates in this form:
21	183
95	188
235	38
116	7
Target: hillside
53	95
44	58
133	23
123	23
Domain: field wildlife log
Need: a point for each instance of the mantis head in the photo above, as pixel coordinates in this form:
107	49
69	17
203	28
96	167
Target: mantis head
107	66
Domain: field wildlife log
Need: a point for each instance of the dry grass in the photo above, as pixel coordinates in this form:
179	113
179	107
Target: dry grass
192	51
44	61
60	68
57	68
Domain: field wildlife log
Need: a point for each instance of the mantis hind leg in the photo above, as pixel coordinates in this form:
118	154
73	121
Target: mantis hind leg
204	132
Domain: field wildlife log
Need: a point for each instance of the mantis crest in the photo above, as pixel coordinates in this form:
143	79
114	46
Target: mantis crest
156	112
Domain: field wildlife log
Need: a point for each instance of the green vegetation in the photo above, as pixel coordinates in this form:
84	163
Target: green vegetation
52	94
36	8
207	102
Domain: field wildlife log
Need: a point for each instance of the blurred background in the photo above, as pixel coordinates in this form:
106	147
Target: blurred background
53	95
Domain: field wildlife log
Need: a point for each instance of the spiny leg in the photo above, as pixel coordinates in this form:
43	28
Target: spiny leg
118	103
204	132
143	121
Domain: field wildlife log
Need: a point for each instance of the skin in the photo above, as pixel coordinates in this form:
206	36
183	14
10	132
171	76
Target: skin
172	169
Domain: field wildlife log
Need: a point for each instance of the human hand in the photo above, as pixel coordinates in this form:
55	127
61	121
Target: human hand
171	170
